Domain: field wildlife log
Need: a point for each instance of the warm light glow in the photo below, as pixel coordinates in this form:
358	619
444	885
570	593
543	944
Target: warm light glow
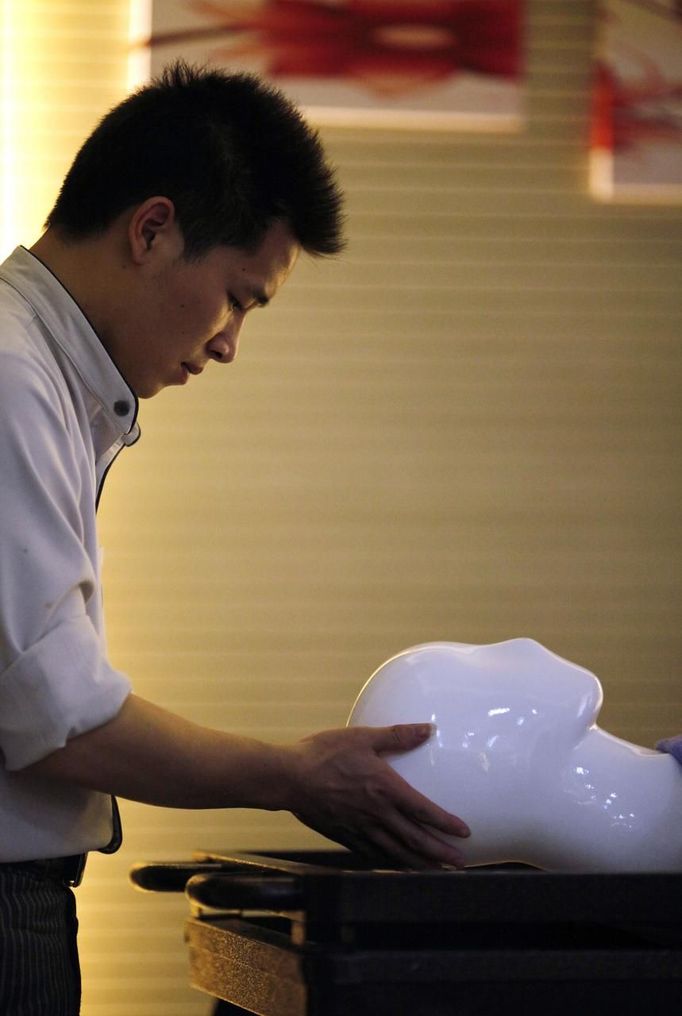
45	111
140	26
601	174
7	146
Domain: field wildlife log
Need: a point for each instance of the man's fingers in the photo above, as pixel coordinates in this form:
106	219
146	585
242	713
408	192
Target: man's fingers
391	852
417	807
400	736
367	805
429	814
413	846
403	737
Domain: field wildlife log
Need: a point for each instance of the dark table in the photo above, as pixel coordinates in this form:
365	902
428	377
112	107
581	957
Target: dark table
315	933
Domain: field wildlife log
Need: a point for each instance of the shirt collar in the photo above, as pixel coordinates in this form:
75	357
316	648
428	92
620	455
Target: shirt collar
72	331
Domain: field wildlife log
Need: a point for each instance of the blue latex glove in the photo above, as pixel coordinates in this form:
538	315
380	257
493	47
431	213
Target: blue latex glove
673	745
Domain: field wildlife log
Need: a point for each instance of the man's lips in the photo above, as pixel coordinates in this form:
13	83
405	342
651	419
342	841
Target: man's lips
191	368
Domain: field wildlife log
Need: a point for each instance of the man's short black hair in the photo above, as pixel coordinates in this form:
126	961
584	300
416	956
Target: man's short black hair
231	152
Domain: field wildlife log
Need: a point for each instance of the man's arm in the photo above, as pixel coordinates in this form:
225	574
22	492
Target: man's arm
336	782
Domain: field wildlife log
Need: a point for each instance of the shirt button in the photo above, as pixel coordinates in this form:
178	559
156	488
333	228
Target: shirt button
122	407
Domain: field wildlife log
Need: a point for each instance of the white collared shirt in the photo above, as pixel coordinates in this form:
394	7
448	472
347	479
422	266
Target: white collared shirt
65	412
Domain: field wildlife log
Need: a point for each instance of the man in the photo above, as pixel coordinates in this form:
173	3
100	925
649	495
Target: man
186	209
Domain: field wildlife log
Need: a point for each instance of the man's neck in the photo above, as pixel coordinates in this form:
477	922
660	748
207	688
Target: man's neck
87	270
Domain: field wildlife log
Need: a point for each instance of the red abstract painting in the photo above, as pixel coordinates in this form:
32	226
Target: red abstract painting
431	63
636	144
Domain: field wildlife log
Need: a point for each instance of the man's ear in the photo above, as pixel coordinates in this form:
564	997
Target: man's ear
151	222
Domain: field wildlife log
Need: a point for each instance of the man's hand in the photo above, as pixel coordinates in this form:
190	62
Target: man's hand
344	789
336	782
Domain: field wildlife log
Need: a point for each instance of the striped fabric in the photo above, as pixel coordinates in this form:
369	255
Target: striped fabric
39	969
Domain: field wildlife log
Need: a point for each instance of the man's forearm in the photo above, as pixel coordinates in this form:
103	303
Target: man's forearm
336	781
151	755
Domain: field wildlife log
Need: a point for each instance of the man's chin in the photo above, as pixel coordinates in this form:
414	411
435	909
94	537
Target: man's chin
148	389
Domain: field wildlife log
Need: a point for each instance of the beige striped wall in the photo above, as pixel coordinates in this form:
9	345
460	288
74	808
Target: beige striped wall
466	429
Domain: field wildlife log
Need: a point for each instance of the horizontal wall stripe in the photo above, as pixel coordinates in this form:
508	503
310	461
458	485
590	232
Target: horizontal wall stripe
468	427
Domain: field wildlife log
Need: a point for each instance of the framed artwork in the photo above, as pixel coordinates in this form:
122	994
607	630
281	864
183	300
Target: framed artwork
636	142
437	64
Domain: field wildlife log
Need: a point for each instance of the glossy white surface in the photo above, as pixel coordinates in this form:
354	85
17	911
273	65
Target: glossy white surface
518	755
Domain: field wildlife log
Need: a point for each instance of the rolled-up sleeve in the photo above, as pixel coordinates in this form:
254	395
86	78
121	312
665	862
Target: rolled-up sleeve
55	679
60	687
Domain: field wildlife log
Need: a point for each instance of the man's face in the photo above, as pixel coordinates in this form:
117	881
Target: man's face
190	312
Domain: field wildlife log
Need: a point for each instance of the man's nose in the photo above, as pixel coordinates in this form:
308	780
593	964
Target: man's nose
224	346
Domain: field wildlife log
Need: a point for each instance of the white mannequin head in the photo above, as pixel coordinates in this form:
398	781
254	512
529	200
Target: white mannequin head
517	754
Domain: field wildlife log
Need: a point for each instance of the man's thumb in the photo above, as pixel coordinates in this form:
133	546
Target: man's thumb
402	736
